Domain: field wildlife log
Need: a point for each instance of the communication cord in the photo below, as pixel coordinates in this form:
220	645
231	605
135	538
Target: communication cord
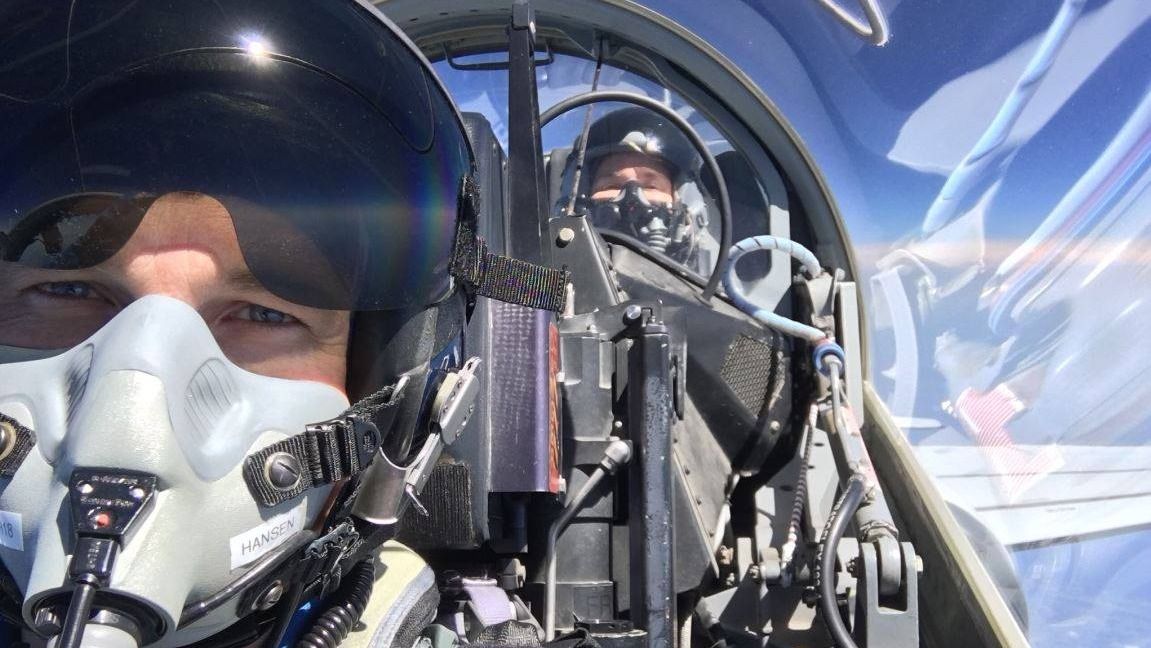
616	455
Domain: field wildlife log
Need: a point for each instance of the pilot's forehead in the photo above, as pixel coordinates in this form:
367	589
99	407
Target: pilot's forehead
641	164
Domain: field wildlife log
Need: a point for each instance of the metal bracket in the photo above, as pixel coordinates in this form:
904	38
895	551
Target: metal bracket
392	486
651	512
456	401
888	621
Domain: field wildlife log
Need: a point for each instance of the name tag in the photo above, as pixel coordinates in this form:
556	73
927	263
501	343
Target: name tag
11	530
253	544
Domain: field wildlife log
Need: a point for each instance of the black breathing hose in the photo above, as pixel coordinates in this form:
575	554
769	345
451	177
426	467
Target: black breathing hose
841	514
348	603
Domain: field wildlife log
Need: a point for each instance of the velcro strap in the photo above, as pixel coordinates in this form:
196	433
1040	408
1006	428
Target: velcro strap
506	279
325	453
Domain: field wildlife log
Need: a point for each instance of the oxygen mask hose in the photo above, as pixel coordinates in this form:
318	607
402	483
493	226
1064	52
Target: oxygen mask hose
656	235
105	506
731	284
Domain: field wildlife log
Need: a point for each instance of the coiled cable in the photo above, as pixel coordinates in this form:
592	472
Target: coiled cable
348	604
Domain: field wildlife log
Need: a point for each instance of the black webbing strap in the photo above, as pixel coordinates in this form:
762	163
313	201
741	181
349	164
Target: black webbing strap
499	277
16	441
324	453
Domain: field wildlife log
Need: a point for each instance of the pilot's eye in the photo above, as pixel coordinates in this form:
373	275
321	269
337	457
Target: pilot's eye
67	289
265	315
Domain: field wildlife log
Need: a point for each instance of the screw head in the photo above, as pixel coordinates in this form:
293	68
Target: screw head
853	567
565	236
270	596
632	313
283	471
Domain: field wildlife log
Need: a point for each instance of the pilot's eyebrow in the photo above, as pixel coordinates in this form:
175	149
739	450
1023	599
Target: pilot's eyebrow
243	279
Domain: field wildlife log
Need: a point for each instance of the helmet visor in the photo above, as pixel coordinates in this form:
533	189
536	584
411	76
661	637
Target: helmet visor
342	183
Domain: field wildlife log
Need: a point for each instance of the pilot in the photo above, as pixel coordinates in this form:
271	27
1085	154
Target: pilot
640	178
217	228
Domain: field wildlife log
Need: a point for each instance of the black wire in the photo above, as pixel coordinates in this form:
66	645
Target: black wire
841	514
708	159
77	619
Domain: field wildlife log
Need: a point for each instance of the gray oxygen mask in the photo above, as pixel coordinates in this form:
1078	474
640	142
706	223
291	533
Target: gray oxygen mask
148	409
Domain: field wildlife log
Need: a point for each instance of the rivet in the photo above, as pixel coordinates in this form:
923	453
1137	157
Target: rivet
632	313
566	235
283	471
7	438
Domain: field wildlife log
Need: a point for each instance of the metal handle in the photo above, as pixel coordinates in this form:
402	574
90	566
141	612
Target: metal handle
874	32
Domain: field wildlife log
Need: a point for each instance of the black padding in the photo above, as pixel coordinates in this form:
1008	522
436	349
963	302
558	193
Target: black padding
749	208
422	614
554	171
447	497
508	634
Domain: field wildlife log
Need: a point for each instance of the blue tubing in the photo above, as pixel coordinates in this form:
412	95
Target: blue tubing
824	349
811	268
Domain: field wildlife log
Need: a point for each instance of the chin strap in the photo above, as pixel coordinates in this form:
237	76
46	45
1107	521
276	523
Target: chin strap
367	509
325	452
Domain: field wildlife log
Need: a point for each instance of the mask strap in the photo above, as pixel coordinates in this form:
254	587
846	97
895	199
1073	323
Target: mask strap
325	452
16	441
